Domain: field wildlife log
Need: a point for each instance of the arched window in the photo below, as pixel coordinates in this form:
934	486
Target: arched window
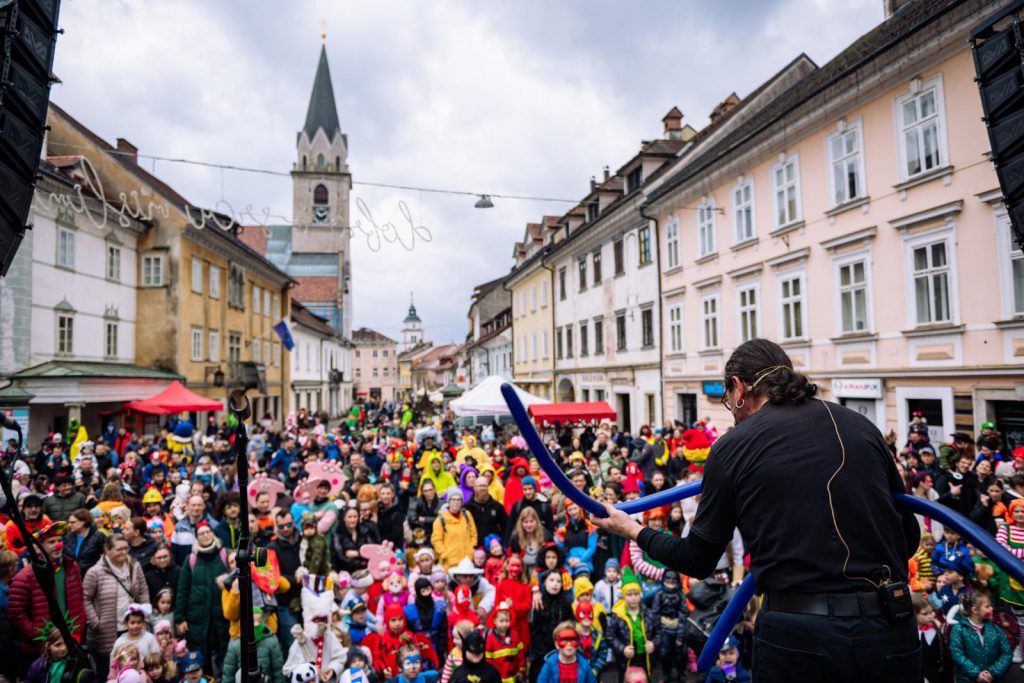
320	195
303	162
319	160
337	163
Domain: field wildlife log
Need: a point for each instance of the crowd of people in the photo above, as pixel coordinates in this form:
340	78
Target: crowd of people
400	548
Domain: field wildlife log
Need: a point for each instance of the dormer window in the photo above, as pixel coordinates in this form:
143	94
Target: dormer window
321	209
634	179
593	210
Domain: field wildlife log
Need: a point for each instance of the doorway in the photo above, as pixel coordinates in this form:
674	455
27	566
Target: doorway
686	409
1010	423
622	408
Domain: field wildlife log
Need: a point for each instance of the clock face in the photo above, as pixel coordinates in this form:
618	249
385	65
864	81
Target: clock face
321	214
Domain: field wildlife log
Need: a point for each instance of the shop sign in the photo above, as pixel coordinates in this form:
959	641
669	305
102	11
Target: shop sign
713	389
857	388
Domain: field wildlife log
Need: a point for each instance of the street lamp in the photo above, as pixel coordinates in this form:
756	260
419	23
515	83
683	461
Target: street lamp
218	377
484	202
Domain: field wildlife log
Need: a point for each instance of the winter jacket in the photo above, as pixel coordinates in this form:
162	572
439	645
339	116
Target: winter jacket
391	522
197	600
972	656
453	538
620	635
59	509
28	610
142	552
288	559
428	511
342	541
101	589
598	650
88	552
490	517
554	610
549	672
157	579
268	654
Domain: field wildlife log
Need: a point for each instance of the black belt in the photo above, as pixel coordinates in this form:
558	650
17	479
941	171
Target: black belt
867	604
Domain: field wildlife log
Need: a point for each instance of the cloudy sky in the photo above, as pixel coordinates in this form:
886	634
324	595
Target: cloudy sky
529	97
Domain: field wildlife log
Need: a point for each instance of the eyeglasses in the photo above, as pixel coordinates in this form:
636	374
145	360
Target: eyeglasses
286	525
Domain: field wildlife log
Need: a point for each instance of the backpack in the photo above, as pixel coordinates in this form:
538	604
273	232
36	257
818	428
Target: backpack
192	558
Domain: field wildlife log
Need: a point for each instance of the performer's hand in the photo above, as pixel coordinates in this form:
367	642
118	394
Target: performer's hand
618	523
649	647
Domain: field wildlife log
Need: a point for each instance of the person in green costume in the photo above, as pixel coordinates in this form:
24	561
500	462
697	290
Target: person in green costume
632	630
268	653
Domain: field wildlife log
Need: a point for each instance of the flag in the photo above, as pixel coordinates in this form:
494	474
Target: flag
76	446
285	334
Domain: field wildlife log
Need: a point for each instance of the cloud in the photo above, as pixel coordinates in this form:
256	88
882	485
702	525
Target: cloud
520	98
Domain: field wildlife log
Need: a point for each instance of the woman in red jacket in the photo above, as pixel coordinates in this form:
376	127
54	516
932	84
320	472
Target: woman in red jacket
28	609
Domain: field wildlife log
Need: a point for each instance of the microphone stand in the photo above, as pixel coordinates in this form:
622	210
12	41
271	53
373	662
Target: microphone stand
238	404
81	669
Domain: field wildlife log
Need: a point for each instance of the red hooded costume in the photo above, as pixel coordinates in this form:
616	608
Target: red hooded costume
506	653
516	590
384	647
514	485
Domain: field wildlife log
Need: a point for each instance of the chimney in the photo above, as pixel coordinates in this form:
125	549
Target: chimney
724	107
127	150
593	183
607	173
673	122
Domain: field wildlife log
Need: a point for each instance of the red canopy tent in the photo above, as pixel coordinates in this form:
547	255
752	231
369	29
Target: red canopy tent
570	414
174	399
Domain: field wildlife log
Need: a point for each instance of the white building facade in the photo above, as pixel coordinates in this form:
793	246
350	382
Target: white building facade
321	364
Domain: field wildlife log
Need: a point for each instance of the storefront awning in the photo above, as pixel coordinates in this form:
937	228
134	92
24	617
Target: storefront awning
175	399
70	381
567	414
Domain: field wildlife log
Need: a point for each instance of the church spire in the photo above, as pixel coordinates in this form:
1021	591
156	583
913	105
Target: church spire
322	112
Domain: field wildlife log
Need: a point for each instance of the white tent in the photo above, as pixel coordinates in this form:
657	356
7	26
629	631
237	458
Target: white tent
485	399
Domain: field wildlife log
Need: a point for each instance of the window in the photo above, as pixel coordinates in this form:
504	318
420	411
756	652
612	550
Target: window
275	306
259	359
853	297
544	344
644	244
65	248
533	344
266	302
375	352
709	318
675	328
152	271
197	275
65	334
375	372
266	354
634	178
583	273
844	154
197	343
276	349
533	297
706	227
236	287
791	296
786	190
743	210
593	210
256	298
113	263
568	341
647	327
620	332
672	243
931	283
748	313
110	339
214	341
385	353
597	267
921	129
522	302
561	284
385	372
543	293
359	373
214	282
584	342
618	257
558	343
598	336
234	348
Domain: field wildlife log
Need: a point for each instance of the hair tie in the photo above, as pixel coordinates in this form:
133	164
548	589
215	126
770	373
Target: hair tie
764	373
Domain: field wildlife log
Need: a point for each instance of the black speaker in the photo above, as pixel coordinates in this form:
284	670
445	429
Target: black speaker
28	33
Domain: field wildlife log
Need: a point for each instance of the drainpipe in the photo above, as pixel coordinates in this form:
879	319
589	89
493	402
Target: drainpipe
551	290
661	310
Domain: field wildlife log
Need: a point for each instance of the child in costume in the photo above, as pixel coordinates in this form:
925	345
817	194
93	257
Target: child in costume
922	573
632	630
953	553
728	666
578	538
552	558
669	608
394	634
192	667
412	667
583	592
357	667
648	570
1011	537
475	667
356	622
50	666
560	665
313	641
513	589
977	644
495	561
608	590
950	589
593	645
313	552
465	573
455	656
462	609
135	619
555	607
936	664
396	592
505	651
425	614
423	565
268	652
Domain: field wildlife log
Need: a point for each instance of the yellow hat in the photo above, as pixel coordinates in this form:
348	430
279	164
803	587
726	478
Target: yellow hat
152	496
582	585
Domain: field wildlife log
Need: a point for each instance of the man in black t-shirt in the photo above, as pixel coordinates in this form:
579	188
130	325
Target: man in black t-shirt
809	484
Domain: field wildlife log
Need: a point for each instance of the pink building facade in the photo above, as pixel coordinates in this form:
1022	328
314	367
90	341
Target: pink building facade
375	365
850	212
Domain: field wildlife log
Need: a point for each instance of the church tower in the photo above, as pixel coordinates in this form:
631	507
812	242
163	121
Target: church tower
412	328
321	183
